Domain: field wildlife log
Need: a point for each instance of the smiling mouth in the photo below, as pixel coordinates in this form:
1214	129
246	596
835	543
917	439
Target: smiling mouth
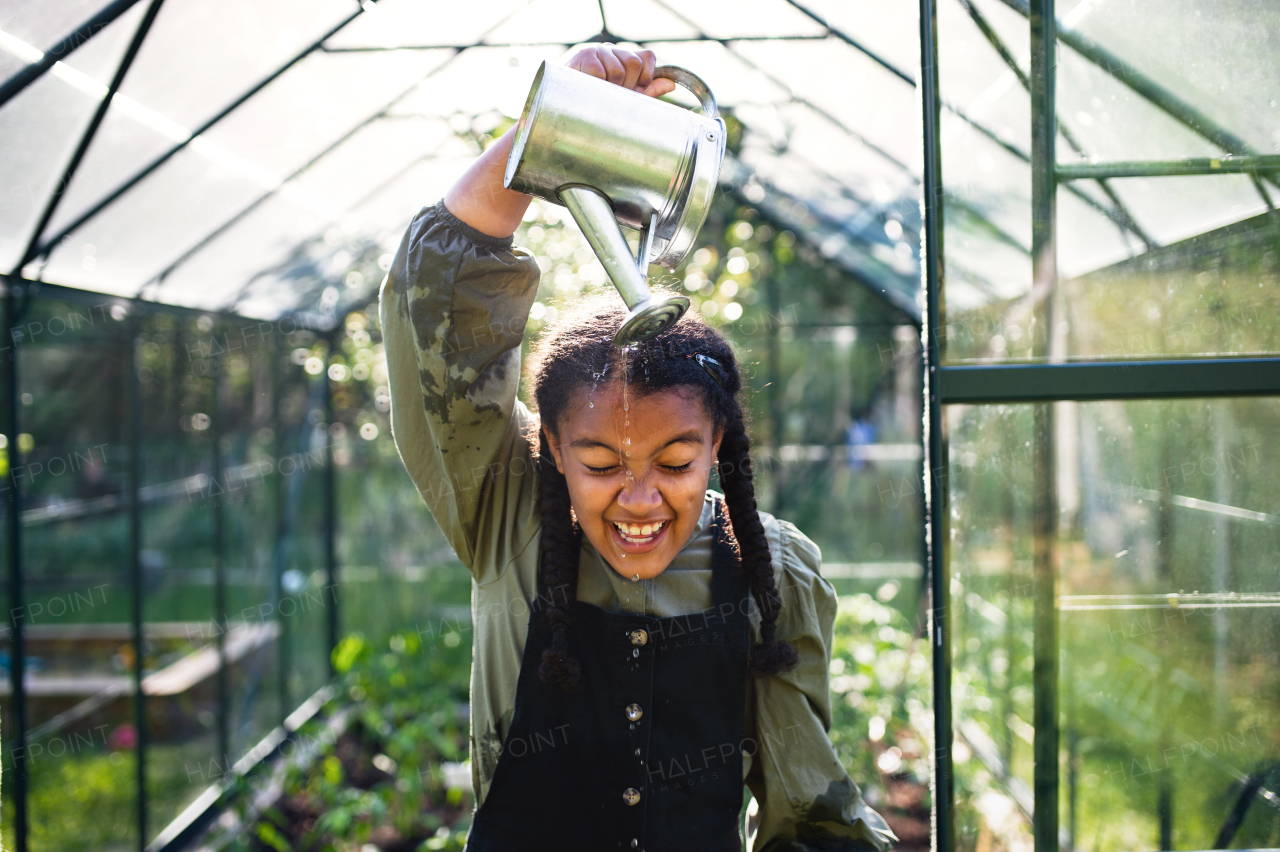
639	534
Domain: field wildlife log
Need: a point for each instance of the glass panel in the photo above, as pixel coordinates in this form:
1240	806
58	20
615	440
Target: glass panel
260	418
987	207
1233	77
1087	239
841	456
1213	294
1190	277
29	29
750	18
1174	208
219	49
976	80
150	226
78	607
177	559
407	22
38	132
883	112
890	29
317	101
374	225
646	20
478	80
40	128
44	24
1163	544
548	21
266	241
1112	122
782	142
305	599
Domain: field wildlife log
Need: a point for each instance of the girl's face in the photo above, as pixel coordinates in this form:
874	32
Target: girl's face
637	478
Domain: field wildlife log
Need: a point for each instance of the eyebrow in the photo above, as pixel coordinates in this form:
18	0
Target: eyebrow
693	436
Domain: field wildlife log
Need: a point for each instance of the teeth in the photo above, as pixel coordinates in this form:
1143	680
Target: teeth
637	531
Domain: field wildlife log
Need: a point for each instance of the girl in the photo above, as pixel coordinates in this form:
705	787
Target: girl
643	646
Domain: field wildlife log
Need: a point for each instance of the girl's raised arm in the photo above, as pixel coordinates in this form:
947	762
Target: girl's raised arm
453	308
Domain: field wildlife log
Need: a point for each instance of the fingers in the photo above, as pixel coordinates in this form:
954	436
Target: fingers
648	61
659	87
588	61
616	72
633	64
633	70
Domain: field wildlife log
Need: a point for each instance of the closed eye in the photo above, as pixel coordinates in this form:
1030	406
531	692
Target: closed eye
602	469
679	468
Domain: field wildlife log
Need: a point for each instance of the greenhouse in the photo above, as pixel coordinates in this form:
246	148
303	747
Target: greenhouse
1004	280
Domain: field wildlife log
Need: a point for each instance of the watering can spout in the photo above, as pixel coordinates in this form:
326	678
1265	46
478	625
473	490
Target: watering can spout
614	157
648	316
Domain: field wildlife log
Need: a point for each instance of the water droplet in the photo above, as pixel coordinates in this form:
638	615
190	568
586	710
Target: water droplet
590	404
635	577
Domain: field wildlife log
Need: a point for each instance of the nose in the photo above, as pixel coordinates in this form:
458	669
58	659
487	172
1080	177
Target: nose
639	497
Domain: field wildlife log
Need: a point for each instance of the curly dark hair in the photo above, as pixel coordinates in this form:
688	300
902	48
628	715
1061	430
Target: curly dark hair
578	351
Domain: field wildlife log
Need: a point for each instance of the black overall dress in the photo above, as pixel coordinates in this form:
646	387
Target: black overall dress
648	754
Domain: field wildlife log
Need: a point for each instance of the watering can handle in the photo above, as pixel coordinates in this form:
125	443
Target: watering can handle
693	83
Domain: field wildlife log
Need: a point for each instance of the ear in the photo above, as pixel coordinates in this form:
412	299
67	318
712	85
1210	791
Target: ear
555	448
715	446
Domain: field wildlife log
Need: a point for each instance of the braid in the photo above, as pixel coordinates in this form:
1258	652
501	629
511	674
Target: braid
772	656
559	568
578	352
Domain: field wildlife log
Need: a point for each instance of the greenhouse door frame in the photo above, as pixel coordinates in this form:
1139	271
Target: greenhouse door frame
1041	384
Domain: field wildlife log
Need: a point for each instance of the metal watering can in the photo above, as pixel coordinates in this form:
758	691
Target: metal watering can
616	157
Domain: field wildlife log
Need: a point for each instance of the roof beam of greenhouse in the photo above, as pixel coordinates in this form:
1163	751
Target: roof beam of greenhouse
48	245
81	34
90	132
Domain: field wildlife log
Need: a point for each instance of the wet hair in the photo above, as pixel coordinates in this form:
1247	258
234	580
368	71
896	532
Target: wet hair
578	353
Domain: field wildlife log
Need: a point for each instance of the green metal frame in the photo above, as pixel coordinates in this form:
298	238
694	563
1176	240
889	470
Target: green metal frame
1050	378
1013	383
18	293
934	485
1038	383
1170	168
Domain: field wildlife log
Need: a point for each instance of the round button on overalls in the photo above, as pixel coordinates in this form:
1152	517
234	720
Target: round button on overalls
631	796
634	712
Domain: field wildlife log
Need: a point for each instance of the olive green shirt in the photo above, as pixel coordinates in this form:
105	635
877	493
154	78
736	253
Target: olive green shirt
453	310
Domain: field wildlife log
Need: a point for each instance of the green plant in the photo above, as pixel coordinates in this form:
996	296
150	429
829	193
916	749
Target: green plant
880	688
382	784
